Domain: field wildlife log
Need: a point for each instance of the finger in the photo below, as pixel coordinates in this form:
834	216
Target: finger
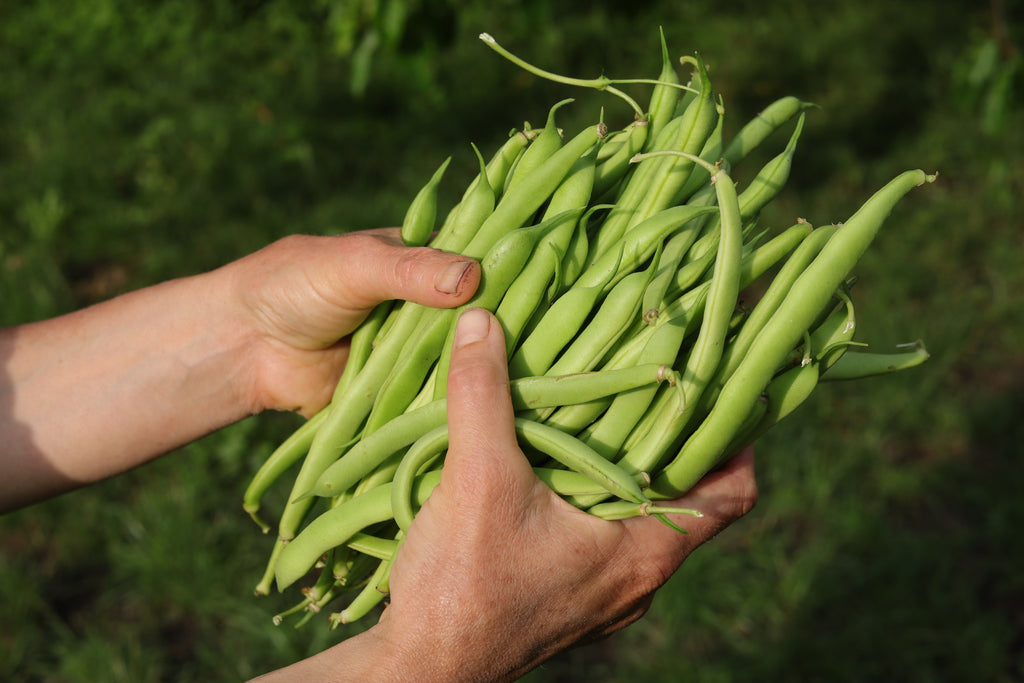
482	438
379	268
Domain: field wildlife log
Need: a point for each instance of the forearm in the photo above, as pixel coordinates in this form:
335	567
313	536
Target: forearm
104	389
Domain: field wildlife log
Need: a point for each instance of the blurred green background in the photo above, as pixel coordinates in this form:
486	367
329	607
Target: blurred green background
141	141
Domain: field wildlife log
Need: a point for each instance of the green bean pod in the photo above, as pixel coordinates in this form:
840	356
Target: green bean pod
371	595
685	310
770	180
711	153
410	372
829	341
861	364
608	434
562	390
543	146
624	509
353	568
767	305
561	447
761	126
569	484
428	447
611	171
500	268
469	214
576	456
289	452
575	259
639	245
665	95
362	340
527	393
374	546
632	191
654	183
706	352
811	292
785	393
266	582
337	525
699	122
418	224
672	255
574	192
527	292
376	446
557	327
613	317
521	202
346	416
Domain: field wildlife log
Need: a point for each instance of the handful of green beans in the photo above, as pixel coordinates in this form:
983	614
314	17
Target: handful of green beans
614	261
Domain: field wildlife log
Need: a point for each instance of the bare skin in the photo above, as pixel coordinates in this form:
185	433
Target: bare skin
90	394
496	575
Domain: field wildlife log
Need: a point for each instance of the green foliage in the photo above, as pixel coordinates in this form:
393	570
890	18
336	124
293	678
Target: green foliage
142	141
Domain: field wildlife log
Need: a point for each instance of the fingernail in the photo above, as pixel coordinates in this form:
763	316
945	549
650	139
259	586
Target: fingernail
448	280
474	325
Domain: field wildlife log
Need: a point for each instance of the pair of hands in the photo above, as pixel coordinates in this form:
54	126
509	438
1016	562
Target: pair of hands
497	573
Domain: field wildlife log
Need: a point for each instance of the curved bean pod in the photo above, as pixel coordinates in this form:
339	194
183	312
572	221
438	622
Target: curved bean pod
371	595
829	341
337	525
761	126
427	447
704	356
576	456
289	452
376	446
569	484
705	447
767	305
770	180
860	364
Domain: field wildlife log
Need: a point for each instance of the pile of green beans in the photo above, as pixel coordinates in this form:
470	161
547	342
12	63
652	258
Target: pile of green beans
614	261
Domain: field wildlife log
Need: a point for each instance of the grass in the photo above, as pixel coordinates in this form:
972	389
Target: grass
145	142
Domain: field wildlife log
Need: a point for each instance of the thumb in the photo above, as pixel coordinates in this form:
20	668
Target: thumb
482	447
382	268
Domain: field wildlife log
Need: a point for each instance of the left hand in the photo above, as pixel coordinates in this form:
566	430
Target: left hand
303	296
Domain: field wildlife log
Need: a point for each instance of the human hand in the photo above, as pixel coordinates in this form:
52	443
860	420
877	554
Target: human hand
497	573
302	296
